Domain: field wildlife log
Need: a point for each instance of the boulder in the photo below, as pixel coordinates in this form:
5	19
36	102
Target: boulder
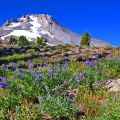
111	85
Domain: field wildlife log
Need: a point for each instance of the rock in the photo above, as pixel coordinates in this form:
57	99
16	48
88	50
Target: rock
81	111
79	114
111	85
72	93
46	117
49	54
70	53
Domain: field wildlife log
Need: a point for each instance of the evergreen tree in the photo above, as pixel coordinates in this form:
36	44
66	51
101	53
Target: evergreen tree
23	41
41	41
86	39
13	41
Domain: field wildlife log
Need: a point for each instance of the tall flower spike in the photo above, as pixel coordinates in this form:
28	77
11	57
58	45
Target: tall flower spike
111	56
3	82
59	69
30	60
51	71
80	76
64	67
3	66
90	63
97	57
14	66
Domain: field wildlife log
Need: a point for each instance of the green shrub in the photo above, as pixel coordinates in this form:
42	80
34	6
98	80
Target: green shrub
110	109
58	107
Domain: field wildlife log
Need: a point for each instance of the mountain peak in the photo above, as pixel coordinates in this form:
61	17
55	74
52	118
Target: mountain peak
37	25
30	17
42	16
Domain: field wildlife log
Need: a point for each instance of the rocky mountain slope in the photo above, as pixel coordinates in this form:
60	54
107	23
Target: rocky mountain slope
33	26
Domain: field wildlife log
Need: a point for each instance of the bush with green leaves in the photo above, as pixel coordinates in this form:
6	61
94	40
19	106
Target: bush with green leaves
58	107
7	104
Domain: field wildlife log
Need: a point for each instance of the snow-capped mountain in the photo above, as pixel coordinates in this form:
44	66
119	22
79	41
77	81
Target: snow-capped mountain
33	26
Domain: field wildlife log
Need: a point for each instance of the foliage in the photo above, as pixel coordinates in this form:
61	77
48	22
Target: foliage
85	40
58	107
41	41
13	41
110	110
23	41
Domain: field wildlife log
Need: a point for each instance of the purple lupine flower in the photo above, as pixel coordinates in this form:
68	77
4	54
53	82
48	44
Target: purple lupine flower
18	75
7	69
14	66
97	57
31	66
51	71
39	77
89	63
46	64
3	65
64	68
66	60
59	69
3	82
30	60
111	56
40	65
80	76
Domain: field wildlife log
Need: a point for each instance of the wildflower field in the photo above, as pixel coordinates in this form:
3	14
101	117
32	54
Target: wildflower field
35	86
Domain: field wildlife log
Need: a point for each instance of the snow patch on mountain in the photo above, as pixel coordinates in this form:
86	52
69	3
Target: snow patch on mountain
44	32
35	24
22	19
50	44
29	35
36	27
12	25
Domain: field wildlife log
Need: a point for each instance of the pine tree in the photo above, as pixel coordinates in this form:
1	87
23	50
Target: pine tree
13	41
23	41
41	41
86	39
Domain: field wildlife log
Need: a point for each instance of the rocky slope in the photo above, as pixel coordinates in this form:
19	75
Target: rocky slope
33	26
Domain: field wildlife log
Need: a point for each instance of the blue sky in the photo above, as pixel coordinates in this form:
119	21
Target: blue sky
101	18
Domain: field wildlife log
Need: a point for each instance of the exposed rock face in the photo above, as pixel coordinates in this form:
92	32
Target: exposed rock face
33	26
111	85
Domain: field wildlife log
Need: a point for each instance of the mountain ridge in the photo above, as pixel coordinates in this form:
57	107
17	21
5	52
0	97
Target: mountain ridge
37	25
